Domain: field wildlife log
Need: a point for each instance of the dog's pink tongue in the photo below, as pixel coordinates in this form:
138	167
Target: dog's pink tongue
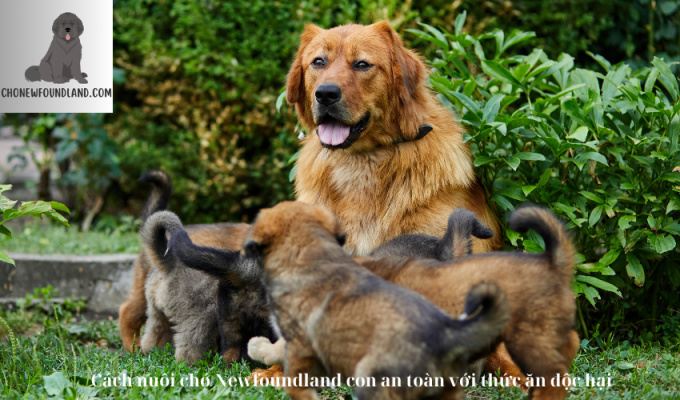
68	37
333	134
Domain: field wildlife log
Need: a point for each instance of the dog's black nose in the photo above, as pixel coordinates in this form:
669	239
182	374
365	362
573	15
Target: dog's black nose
68	29
328	93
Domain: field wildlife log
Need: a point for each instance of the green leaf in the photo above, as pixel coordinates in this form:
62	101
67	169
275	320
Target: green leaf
513	162
460	22
608	258
6	204
280	100
498	71
598	283
592	196
532	247
293	172
624	222
483	160
601	60
528	189
467	102
4	188
635	270
671	177
58	206
592	155
595	215
545	177
491	109
673	204
673	228
673	273
503	202
580	134
530	156
5	231
670	81
669	7
5	258
651	80
513	236
440	39
661	243
624	365
55	384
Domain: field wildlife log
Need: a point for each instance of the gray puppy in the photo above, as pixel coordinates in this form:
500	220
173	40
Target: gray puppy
181	306
456	243
62	61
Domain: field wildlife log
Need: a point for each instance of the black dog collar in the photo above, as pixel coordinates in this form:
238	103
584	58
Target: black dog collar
423	130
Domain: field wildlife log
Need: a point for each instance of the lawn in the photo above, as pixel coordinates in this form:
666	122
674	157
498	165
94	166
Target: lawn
40	238
60	351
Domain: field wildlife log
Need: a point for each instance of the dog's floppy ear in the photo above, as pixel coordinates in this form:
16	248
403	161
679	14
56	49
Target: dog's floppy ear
408	72
55	25
79	25
295	85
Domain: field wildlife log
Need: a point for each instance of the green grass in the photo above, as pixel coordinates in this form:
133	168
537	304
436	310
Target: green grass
60	360
53	239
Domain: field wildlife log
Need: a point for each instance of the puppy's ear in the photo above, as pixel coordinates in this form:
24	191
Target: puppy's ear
295	85
408	73
252	249
55	25
79	25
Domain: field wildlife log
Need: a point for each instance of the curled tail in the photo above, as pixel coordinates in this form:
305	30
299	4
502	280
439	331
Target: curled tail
457	241
558	246
220	263
32	74
160	195
155	234
479	327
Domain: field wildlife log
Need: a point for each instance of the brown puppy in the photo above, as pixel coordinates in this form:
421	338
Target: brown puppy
339	319
132	313
381	152
539	334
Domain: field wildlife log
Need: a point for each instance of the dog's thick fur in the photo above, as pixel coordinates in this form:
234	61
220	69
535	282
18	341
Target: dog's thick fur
338	318
456	243
181	305
539	334
242	311
381	182
132	313
62	61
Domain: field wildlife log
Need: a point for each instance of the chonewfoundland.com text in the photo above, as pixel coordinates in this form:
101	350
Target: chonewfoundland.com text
22	93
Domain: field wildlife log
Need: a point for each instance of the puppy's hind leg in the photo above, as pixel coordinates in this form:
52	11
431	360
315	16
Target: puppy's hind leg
157	332
301	360
193	338
45	70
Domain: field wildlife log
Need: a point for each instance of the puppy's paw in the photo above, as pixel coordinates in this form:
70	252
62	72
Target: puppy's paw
82	81
260	377
259	348
60	80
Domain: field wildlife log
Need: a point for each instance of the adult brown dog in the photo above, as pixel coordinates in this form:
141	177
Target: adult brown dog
338	318
382	153
132	313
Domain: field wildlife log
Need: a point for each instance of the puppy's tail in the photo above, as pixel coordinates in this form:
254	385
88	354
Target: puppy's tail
485	315
457	241
160	194
558	246
155	234
32	74
220	263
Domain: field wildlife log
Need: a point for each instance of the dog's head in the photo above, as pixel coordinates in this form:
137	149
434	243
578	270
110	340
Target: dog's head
68	27
357	87
292	225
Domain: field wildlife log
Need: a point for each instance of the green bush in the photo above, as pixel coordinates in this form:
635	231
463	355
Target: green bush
597	148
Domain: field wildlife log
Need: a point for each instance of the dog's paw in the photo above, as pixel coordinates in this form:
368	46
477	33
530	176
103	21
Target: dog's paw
259	348
60	80
82	80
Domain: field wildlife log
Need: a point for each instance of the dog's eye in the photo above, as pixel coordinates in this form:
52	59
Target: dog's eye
319	63
362	65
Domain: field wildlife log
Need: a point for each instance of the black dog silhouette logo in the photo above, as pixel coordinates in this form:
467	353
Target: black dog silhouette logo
62	61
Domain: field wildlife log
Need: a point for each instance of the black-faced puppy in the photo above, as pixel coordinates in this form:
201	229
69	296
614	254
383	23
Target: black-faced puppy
181	306
241	300
539	335
456	243
62	61
338	318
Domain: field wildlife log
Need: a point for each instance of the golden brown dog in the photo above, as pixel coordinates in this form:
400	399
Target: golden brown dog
381	152
132	313
339	319
539	334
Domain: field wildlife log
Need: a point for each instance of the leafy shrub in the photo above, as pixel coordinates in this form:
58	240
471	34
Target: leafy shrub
597	148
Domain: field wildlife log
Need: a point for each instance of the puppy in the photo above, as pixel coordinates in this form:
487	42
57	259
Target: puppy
181	306
224	235
242	310
456	243
539	334
62	61
337	318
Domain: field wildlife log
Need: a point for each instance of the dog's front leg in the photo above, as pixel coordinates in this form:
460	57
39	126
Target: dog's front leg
300	362
76	73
